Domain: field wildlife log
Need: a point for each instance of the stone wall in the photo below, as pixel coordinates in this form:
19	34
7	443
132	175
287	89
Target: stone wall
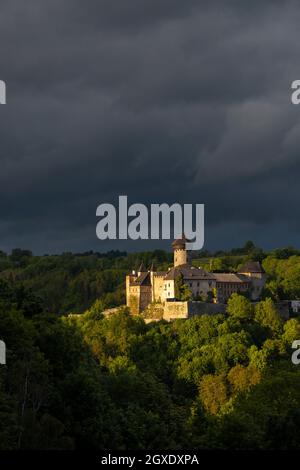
283	308
158	288
204	308
145	297
154	311
176	310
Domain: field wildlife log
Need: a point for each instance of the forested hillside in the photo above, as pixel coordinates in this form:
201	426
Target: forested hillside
70	283
86	381
224	381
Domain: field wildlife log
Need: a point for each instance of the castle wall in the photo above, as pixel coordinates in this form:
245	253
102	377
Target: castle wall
158	288
133	300
137	297
200	287
257	281
226	289
169	289
257	285
128	279
177	310
145	297
204	308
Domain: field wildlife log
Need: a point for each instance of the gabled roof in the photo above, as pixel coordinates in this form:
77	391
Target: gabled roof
142	280
160	273
152	267
172	274
189	273
251	267
142	268
231	278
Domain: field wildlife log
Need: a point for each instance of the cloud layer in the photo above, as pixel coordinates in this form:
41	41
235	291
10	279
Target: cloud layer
161	100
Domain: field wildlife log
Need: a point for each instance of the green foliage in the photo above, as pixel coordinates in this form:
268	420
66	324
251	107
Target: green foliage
242	378
291	331
72	282
213	393
283	270
267	315
240	307
267	417
93	381
182	291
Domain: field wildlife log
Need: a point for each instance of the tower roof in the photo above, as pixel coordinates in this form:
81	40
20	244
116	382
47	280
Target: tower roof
179	243
251	267
142	280
152	267
142	268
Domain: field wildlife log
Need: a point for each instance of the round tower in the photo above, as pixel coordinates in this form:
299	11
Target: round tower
180	253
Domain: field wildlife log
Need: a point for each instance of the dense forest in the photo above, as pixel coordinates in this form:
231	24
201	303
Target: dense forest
72	282
88	381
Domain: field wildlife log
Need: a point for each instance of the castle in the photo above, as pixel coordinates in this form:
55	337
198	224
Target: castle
148	286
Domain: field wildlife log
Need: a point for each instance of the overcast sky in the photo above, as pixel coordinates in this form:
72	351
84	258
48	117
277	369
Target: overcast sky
162	100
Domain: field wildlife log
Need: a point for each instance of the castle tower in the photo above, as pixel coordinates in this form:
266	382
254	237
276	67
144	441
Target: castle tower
180	252
255	272
152	271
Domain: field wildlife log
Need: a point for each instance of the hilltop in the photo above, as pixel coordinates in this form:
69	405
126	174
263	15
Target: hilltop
71	283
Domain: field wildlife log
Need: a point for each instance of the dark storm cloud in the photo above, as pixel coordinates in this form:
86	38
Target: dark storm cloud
161	100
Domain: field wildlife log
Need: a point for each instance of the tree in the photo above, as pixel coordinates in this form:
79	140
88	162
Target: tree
243	378
291	331
267	315
213	393
182	291
186	293
267	417
239	307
